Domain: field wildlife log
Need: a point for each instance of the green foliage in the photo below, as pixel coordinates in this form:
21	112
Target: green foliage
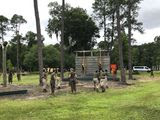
69	61
11	53
100	8
115	51
142	55
51	57
146	54
16	22
4	26
103	45
9	65
31	59
102	13
31	38
132	7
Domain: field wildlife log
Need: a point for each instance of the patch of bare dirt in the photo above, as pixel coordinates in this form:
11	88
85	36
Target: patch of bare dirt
35	92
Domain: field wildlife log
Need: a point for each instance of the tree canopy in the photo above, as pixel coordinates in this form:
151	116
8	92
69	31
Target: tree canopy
80	30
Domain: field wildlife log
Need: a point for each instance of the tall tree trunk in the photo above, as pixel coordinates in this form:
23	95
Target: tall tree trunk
4	62
122	70
18	58
130	77
62	41
4	66
112	37
105	29
39	38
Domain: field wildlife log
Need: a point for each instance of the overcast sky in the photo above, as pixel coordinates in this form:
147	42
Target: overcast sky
149	14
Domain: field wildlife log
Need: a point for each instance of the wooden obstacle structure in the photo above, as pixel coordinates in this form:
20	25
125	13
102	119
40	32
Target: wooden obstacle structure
17	92
87	62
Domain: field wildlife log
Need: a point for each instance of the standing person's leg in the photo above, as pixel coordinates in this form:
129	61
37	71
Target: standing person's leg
11	80
74	87
106	82
102	85
59	82
97	86
71	83
52	87
94	83
8	80
44	85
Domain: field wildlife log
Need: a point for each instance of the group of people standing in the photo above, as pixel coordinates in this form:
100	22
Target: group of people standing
55	80
100	80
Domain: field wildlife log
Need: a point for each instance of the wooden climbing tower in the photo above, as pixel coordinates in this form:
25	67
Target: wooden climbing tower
87	62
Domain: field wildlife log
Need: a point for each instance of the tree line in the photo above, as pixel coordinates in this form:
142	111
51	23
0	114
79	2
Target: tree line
117	17
142	55
28	54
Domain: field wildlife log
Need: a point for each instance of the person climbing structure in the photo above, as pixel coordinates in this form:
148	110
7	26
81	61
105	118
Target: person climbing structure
100	67
83	69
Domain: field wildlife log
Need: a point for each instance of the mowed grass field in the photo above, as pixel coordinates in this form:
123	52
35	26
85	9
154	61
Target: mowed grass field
136	102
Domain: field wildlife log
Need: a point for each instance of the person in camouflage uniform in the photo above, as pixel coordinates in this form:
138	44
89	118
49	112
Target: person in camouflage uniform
103	81
95	80
44	80
10	77
152	74
53	82
72	81
58	79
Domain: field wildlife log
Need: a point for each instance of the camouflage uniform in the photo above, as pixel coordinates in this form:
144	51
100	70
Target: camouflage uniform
53	83
10	77
152	74
103	81
58	80
73	81
44	81
100	67
95	80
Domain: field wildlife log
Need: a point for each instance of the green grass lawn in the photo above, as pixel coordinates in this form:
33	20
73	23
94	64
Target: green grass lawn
137	102
31	79
25	80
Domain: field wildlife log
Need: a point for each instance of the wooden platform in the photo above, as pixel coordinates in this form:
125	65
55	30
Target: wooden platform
17	92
